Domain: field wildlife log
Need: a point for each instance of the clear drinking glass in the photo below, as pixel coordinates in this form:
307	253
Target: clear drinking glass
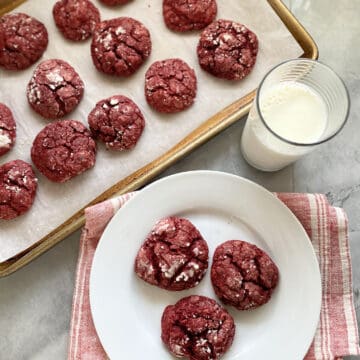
299	104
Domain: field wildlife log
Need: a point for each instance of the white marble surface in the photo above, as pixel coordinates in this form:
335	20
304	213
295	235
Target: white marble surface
35	302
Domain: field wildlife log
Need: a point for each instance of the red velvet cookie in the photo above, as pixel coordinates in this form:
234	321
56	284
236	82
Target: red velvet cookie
114	2
55	89
174	255
17	189
187	15
243	275
117	121
7	129
197	328
63	150
170	86
120	46
227	50
23	40
76	19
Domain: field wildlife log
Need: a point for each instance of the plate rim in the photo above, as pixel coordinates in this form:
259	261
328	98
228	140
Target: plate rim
158	183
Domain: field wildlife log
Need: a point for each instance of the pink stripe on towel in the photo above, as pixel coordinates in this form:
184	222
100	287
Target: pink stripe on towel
327	227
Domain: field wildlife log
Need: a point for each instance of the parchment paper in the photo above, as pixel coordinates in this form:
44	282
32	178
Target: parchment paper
55	203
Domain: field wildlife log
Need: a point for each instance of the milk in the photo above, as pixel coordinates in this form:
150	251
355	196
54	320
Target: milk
293	111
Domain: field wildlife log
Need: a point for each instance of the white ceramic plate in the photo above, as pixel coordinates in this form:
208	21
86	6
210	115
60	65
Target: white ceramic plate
127	311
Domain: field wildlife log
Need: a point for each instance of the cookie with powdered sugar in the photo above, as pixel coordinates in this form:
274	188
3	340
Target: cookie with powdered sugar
174	255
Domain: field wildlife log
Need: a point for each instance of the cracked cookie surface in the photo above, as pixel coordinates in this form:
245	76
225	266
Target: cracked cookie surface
243	275
117	121
76	19
187	15
197	328
174	255
227	50
55	89
23	40
170	85
7	129
18	186
120	46
63	150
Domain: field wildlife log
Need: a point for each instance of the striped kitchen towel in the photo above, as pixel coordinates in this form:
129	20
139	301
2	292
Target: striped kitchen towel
327	227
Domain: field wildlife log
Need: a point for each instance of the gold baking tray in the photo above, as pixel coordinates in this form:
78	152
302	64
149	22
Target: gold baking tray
203	133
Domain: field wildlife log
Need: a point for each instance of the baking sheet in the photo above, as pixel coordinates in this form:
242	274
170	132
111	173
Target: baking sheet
55	203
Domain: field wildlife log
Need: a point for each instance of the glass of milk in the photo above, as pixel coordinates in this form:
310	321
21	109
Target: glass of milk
299	104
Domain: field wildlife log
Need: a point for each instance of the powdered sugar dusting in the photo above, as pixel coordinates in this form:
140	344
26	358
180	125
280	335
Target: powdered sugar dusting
120	30
54	77
178	350
114	101
164	226
169	272
107	41
5	140
34	94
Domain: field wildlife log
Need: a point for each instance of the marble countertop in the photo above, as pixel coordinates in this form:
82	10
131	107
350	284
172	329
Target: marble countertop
35	302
